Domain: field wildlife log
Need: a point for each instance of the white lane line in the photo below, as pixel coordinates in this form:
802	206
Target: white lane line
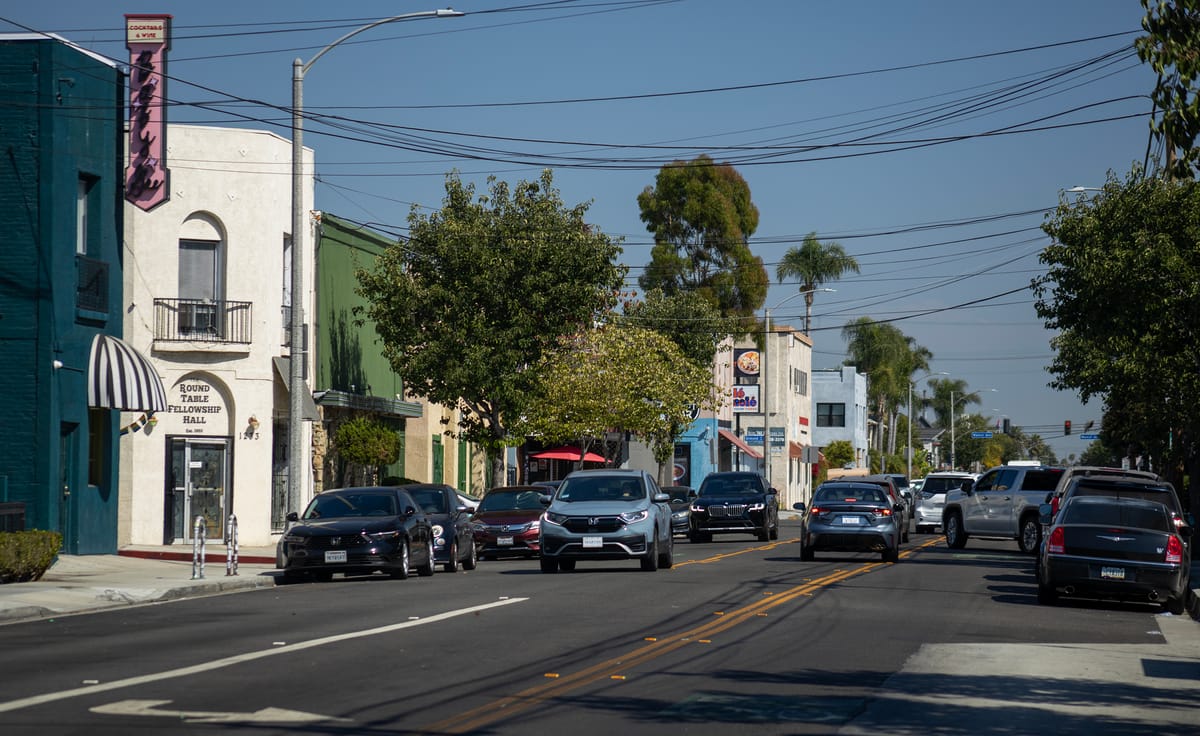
216	664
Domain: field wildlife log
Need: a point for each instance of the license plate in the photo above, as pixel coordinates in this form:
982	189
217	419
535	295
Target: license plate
1113	573
504	541
851	520
338	556
593	542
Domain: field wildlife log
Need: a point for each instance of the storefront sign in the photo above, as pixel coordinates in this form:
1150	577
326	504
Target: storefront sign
147	180
745	399
195	406
746	363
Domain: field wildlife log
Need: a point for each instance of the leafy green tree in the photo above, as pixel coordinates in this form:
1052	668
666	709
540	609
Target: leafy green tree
1172	48
814	263
615	380
368	444
839	453
702	217
1122	292
483	289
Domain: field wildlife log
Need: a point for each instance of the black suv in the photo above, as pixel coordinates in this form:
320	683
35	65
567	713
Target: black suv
734	502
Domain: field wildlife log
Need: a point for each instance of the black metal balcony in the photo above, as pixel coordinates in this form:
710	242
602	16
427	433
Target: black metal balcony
202	320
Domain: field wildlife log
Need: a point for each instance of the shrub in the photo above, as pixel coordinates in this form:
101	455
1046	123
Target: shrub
26	556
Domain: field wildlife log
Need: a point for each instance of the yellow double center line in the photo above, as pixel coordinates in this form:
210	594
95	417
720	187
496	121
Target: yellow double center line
505	708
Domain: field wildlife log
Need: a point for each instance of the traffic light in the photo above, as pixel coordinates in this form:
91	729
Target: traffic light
1067	427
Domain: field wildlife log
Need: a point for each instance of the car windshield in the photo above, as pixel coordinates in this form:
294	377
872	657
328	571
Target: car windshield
1137	516
336	505
730	487
431	500
600	488
941	485
678	495
851	494
511	501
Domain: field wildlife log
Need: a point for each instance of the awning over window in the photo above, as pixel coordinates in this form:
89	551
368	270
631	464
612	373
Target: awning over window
119	377
738	443
283	366
795	450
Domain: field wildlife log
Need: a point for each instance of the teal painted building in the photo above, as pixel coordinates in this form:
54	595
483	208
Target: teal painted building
61	190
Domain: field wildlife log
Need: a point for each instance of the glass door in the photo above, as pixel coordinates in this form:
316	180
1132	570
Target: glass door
198	485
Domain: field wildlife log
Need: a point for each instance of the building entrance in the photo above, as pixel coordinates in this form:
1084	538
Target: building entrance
198	484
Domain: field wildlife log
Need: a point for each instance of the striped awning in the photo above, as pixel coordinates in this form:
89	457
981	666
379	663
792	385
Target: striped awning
119	377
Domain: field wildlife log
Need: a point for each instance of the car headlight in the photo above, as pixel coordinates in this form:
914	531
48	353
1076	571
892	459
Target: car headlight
438	534
697	508
555	518
290	538
757	506
632	517
680	513
383	536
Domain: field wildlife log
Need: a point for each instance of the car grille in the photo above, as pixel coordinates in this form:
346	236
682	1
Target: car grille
727	512
343	541
581	524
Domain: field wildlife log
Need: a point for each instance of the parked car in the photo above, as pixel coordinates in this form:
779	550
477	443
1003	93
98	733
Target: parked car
903	510
607	514
1115	547
453	542
357	531
916	486
1093	471
932	497
507	521
1003	503
734	502
1127	487
850	516
681	507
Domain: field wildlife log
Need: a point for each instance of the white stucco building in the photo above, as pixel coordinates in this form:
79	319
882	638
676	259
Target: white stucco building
208	294
787	403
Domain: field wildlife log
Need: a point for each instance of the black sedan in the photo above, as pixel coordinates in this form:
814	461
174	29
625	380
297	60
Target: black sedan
734	502
357	531
453	543
850	517
681	507
1123	548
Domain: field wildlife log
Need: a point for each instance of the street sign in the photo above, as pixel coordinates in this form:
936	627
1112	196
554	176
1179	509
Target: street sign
981	435
1089	436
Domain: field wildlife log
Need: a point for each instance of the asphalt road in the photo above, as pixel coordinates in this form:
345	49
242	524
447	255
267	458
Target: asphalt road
739	638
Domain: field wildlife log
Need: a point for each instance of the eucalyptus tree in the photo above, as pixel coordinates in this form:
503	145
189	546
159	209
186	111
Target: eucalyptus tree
814	263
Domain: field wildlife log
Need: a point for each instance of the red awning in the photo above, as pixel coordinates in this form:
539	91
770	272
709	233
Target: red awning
795	450
566	452
738	443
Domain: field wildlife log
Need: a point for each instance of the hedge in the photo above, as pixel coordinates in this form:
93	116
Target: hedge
26	556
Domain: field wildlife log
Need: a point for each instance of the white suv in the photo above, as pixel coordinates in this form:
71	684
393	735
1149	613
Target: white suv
932	497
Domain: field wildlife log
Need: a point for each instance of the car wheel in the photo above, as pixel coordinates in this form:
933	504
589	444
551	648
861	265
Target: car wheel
1047	595
452	563
667	559
472	558
400	572
807	554
956	538
430	565
1175	606
763	534
566	565
1031	535
549	564
775	530
650	559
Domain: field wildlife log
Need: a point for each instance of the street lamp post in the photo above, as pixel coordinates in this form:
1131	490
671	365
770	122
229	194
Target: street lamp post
766	374
299	348
953	411
912	384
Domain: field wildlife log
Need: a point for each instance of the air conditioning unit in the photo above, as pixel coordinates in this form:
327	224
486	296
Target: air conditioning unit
198	318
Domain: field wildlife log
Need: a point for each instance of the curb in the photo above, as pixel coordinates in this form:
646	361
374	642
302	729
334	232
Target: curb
210	558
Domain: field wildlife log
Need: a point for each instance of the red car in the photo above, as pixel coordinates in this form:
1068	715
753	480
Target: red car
507	521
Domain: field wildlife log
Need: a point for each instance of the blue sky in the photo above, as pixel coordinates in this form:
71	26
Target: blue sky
928	138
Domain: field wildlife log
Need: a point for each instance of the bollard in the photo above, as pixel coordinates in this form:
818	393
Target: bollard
231	547
199	536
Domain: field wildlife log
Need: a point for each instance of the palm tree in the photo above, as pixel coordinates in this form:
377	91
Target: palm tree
943	390
814	263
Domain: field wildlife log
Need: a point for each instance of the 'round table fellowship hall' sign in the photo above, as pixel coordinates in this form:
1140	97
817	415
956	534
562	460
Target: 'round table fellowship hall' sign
195	406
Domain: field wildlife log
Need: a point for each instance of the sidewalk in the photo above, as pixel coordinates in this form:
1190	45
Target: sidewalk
135	576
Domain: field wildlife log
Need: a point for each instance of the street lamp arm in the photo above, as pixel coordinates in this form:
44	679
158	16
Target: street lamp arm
439	13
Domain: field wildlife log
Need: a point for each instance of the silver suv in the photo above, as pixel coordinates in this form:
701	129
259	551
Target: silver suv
608	514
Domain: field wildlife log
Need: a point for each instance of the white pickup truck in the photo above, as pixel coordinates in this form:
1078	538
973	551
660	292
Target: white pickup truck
1001	504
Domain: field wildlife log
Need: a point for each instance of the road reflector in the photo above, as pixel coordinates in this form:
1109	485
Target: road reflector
616	677
705	641
651	638
551	675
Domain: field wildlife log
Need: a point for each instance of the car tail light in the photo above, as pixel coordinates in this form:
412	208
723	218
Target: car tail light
816	510
883	512
1057	541
1174	549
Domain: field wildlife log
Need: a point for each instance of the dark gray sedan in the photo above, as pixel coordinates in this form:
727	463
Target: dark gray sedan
850	517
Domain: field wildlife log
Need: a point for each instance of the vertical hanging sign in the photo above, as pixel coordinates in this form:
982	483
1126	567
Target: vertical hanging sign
147	180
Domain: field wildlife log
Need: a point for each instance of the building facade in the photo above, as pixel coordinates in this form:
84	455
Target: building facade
208	284
840	404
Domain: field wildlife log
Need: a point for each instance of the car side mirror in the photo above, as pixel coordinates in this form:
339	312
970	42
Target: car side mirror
1045	514
798	506
967	486
292	516
773	491
545	499
409	511
465	510
661	498
691	495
